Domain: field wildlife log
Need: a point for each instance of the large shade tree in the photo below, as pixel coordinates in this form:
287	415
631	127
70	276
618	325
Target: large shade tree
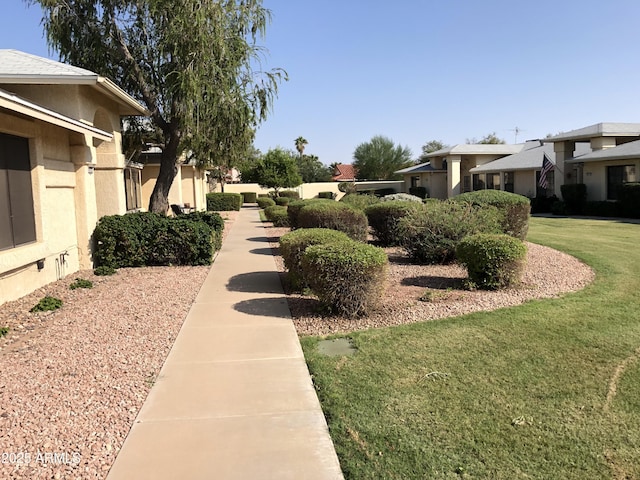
192	63
276	169
379	159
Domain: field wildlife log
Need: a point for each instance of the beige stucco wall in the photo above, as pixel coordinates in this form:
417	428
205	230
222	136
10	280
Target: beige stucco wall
189	186
524	183
311	190
594	176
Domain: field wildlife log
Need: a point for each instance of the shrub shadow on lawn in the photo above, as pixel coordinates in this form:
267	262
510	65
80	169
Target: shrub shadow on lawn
440	283
258	282
267	307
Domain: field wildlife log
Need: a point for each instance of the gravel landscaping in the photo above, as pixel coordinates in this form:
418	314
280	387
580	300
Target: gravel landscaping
548	273
73	380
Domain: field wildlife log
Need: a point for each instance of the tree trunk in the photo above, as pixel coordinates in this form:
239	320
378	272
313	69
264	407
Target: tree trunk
159	201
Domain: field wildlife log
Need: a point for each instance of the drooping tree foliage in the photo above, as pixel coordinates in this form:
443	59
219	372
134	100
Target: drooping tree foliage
195	64
379	159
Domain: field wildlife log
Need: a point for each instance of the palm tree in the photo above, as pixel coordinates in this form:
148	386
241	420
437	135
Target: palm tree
300	143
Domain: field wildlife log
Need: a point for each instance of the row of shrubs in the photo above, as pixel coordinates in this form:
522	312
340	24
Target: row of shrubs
148	239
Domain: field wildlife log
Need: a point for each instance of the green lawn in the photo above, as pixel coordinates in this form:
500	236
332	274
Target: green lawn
546	390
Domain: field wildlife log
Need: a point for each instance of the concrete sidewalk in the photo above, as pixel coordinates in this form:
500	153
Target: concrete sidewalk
234	399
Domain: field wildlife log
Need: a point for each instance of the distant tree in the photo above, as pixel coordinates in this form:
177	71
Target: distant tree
191	63
488	139
276	169
313	170
301	142
430	147
379	158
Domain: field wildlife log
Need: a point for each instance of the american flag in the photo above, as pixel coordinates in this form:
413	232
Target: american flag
547	166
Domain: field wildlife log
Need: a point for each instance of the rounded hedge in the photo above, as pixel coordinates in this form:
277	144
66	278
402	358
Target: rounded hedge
347	277
359	200
278	215
431	234
295	206
383	219
282	201
293	245
336	216
515	209
264	202
492	261
289	194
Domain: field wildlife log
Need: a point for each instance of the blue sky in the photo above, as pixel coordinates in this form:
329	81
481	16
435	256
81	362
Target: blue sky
418	70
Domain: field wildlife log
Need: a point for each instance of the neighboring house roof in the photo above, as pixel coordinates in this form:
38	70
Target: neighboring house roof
530	158
23	68
421	168
14	103
344	173
477	149
621	152
605	129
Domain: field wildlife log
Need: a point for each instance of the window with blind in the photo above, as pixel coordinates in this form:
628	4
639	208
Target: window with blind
17	219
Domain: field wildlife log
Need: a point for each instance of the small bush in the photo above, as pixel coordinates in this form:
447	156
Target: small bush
431	234
574	196
559	208
359	201
249	197
145	238
294	207
104	270
327	195
383	192
223	202
418	191
492	261
264	202
282	201
347	187
81	283
214	220
629	200
336	216
293	245
4	331
278	215
47	304
383	219
602	209
515	209
289	194
405	197
347	277
542	204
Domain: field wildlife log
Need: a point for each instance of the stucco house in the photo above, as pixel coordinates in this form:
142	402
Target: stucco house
612	158
61	167
448	171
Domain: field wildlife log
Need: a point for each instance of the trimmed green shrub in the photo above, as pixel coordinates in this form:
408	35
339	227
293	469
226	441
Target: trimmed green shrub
104	270
574	196
264	195
347	277
282	201
278	215
264	202
327	195
359	201
431	234
492	261
418	191
336	216
4	331
405	197
629	200
223	202
542	204
293	245
383	192
559	208
515	209
294	207
289	194
249	197
145	238
47	304
383	219
81	283
602	209
214	220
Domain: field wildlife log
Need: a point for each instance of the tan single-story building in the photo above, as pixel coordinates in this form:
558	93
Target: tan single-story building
61	167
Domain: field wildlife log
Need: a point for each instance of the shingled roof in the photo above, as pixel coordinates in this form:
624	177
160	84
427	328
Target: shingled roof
344	173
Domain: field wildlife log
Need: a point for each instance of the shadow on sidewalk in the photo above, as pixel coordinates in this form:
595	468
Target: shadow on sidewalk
258	282
267	307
